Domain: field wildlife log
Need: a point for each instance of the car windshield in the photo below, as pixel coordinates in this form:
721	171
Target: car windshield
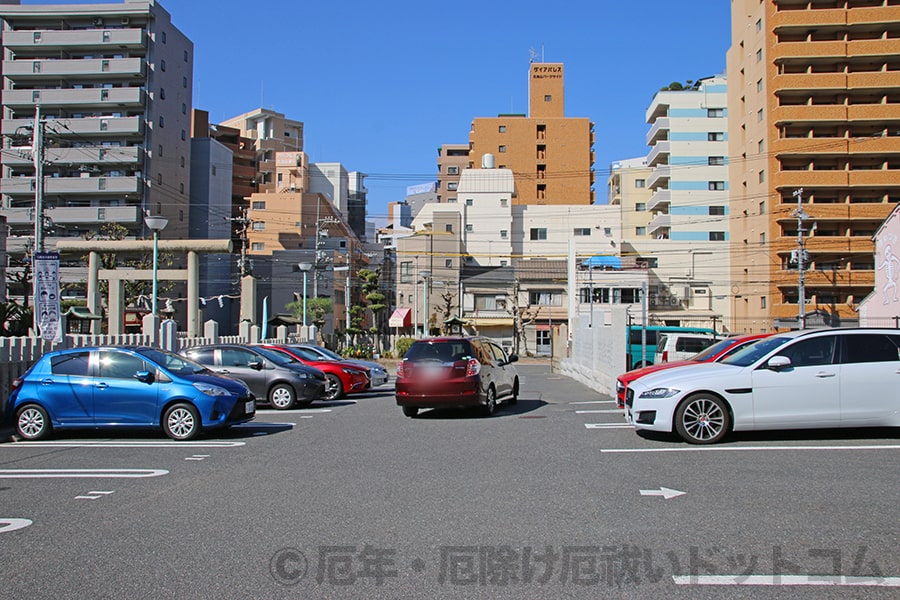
328	353
752	353
173	363
305	353
707	354
279	357
439	351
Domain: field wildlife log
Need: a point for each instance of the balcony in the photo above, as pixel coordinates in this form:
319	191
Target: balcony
85	126
659	177
659	154
881	15
875	48
80	156
809	179
810	81
876	178
874	112
19	186
658	131
68	39
824	279
806	19
133	97
805	113
660	200
93	69
810	146
659	224
880	80
808	50
82	215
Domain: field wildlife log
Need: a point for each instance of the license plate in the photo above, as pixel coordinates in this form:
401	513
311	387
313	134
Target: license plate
249	406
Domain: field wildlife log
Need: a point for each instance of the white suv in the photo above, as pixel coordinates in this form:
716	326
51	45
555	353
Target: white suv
681	346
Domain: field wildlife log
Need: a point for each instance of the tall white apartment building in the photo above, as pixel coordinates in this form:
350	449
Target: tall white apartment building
688	141
114	85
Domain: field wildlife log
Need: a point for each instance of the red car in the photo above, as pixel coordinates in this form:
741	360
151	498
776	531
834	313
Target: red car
343	377
714	353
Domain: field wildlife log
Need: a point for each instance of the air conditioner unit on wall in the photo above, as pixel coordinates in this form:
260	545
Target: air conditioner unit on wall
125	20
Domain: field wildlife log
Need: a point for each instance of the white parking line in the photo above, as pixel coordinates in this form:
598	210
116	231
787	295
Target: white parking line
80	473
594	402
748	448
197	457
605	411
7	525
608	426
124	444
787	580
306	411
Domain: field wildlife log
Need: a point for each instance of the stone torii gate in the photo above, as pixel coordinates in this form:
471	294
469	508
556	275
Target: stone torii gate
117	277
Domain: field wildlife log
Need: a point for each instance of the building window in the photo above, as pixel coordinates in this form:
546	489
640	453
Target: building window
451	200
448	227
715	136
717	211
182	162
214	171
640	231
545	298
501	149
448	263
582	231
185	56
548	98
162	121
183	135
258	246
759	55
452	170
504	234
162	65
758	29
259	225
502	129
762	208
163	37
759	115
183	108
469	228
715	113
490	302
640	206
760	146
717	236
160	151
640	183
503	263
762	175
162	93
762	239
607	231
716	186
716	160
159	178
181	188
257	205
762	301
184	82
538	233
452	185
469	202
406	272
504	202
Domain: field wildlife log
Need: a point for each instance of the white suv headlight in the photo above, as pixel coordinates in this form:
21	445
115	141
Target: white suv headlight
657	393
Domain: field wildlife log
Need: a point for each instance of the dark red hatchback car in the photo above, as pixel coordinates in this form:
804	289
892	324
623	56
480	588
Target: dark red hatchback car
456	372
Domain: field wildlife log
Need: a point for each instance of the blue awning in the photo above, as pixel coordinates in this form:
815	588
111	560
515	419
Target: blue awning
603	261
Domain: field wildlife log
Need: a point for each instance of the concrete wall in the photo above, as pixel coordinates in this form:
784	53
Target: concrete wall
597	354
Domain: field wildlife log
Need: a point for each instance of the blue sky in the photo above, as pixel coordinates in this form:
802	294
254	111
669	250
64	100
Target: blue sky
381	85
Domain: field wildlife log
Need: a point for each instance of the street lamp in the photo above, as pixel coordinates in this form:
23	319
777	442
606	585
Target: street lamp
156	224
305	267
425	275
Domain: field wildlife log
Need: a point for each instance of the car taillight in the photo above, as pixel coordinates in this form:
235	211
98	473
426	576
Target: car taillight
15	383
473	367
400	369
665	356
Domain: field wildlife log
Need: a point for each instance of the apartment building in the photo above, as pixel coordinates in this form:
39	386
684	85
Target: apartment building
114	85
627	189
452	159
550	155
814	137
271	133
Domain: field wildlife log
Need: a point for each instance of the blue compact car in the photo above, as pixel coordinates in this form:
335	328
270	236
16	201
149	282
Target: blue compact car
125	387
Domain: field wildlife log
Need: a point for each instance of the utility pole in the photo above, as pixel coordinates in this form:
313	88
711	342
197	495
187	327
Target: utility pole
38	152
800	256
243	227
321	258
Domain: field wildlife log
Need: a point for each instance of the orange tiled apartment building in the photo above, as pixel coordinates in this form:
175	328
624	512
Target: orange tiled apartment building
814	104
551	155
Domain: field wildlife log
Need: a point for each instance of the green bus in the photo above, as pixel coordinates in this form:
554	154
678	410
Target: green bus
635	357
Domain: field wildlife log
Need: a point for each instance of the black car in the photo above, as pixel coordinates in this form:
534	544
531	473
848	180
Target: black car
270	376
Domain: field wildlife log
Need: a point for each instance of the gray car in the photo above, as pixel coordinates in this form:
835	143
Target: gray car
269	375
378	375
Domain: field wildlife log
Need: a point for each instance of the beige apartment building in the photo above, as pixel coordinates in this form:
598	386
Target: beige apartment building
814	113
627	189
271	133
452	159
551	155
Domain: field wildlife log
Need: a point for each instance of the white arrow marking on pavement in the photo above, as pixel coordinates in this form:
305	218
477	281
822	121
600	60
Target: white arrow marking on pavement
7	525
666	493
80	473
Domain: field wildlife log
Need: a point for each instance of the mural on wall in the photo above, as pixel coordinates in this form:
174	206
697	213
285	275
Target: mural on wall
881	308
